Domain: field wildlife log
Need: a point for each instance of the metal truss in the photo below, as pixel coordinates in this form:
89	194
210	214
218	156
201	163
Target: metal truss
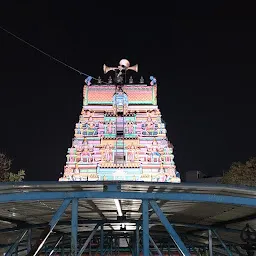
141	240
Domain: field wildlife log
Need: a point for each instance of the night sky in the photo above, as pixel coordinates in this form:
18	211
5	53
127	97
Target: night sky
202	54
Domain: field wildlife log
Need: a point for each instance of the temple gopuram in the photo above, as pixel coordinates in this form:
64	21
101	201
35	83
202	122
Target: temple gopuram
120	134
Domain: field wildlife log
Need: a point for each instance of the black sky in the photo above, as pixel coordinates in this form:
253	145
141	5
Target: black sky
202	53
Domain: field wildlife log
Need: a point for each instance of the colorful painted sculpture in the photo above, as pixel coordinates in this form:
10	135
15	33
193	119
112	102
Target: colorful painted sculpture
120	134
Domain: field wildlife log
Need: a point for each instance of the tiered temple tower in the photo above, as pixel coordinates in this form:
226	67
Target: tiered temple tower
120	134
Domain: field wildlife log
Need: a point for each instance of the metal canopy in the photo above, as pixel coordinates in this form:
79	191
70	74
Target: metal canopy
192	209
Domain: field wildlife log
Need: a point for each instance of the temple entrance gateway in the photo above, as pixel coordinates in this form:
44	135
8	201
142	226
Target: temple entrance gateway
120	134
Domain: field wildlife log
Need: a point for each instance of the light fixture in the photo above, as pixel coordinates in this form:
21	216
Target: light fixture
118	207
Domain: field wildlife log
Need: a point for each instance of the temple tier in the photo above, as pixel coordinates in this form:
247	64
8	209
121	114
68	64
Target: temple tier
120	136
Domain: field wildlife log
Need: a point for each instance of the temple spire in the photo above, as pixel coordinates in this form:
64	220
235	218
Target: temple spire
120	134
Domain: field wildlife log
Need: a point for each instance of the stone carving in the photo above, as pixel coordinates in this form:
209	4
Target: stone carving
71	157
107	153
148	127
76	170
110	127
120	102
79	130
90	127
130	127
86	155
153	152
132	153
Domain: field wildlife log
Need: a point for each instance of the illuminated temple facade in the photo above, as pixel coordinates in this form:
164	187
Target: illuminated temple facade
120	134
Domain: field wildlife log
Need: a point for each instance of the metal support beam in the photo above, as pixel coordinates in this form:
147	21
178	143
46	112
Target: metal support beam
45	234
29	240
62	250
16	243
88	240
118	245
237	251
155	246
145	228
17	250
56	244
180	245
90	248
105	221
236	220
13	221
137	240
102	240
129	246
111	245
95	208
180	196
210	242
133	242
95	254
74	227
23	227
222	243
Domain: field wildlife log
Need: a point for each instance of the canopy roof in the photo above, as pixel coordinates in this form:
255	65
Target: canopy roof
191	208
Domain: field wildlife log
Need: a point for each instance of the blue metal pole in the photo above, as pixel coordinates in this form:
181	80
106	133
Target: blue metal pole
189	197
181	246
29	240
102	240
129	246
111	245
145	227
210	242
62	253
15	244
17	250
223	244
155	246
115	246
169	249
118	246
97	251
137	240
88	240
74	227
45	250
134	244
